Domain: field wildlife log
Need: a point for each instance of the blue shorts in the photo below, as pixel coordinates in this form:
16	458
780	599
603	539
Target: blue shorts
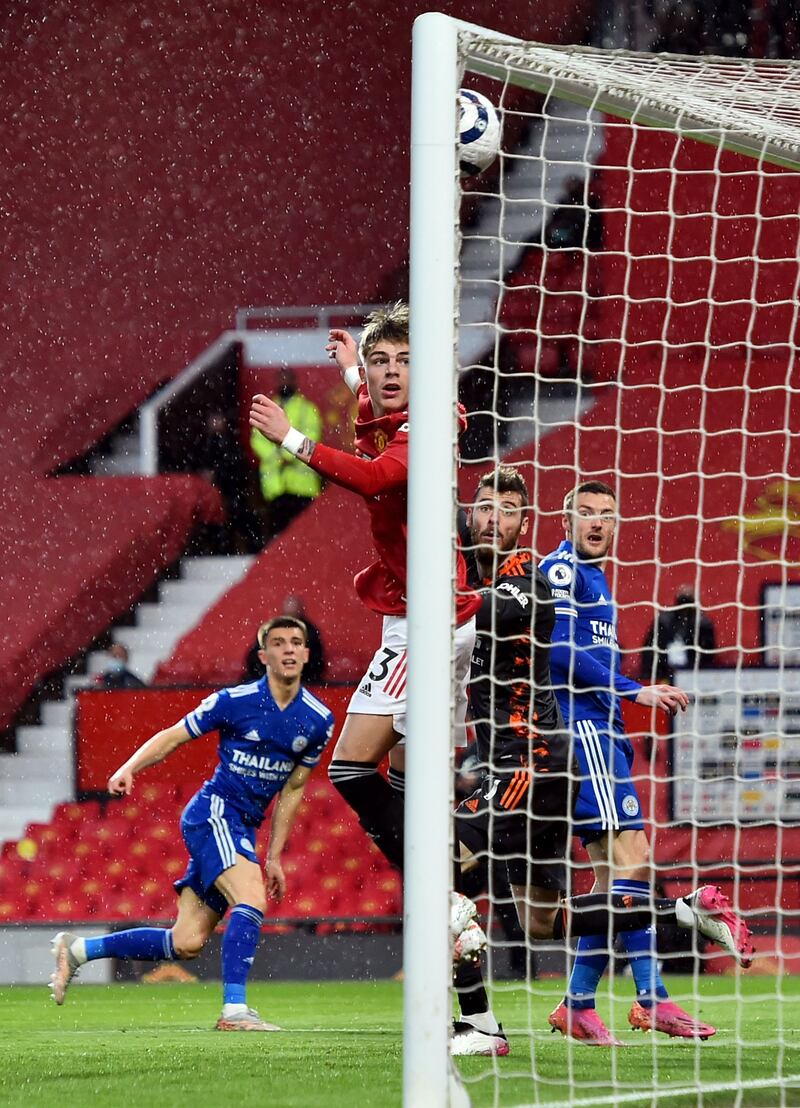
607	798
214	832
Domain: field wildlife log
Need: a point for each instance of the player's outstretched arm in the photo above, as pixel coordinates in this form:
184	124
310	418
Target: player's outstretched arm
283	817
368	478
270	419
587	670
342	349
150	753
667	698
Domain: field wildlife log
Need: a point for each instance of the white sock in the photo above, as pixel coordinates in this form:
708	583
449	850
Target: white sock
684	914
78	950
233	1010
483	1021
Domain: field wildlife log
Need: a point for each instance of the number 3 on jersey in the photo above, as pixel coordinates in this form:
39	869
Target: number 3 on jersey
390	664
383	660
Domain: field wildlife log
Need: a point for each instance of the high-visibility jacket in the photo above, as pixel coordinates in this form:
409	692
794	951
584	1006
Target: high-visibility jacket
279	471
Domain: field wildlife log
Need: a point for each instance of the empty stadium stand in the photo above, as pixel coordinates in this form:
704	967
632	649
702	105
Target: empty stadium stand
117	862
712	399
159	174
105	860
76	554
315	558
158	207
699	534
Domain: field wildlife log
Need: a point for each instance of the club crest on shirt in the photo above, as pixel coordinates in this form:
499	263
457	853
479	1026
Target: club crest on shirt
380	441
207	704
630	805
300	743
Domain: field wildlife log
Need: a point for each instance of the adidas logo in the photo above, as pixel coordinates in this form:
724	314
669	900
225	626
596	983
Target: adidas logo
366	688
253	736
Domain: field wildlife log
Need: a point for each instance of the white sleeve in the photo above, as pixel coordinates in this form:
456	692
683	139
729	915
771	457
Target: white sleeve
352	378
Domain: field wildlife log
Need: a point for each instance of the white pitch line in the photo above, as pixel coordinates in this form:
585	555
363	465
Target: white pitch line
657	1095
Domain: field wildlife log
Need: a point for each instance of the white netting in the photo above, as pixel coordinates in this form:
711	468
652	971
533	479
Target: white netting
629	312
754	104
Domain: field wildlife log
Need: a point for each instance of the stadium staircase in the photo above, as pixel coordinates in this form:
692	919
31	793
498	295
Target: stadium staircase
40	774
182	603
532	187
93	333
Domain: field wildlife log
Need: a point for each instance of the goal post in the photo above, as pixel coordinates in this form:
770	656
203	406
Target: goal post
664	361
433	306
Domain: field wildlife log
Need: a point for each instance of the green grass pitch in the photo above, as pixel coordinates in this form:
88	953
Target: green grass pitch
134	1045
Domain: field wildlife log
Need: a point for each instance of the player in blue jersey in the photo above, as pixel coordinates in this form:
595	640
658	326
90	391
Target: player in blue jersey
521	812
271	734
584	661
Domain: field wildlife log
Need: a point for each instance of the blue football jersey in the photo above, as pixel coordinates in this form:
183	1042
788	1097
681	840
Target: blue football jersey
259	743
584	656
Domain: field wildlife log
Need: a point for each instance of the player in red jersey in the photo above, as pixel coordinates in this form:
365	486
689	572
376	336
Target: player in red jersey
378	471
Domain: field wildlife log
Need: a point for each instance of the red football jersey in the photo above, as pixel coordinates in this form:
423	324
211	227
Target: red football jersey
379	472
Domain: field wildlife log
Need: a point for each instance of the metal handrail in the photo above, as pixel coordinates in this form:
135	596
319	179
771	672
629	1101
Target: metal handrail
248	320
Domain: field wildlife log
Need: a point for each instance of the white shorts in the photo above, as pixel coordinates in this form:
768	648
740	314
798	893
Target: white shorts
382	689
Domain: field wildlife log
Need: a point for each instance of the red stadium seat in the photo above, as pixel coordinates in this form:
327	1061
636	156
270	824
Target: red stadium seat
390	883
67	907
132	906
77	812
59	873
172	867
307	903
112	834
331	885
161	833
157	795
358	869
12	871
341	829
142	854
371	903
126	809
91	890
85	852
162	906
46	835
116	873
295	869
11	908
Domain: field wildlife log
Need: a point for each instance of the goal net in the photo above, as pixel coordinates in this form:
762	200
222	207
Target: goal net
616	299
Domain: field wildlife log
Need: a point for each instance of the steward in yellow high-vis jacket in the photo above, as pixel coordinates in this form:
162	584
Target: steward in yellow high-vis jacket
287	484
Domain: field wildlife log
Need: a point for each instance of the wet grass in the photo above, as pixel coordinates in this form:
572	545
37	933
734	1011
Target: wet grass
128	1046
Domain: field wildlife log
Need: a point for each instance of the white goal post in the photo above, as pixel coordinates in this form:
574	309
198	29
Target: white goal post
747	107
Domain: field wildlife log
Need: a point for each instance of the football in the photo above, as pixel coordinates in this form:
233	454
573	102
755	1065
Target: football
478	133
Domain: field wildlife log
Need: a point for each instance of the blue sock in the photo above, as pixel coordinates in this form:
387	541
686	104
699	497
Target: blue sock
640	946
148	944
588	967
238	950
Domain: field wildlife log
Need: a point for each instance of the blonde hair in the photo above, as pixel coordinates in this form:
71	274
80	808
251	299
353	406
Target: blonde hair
280	621
389	324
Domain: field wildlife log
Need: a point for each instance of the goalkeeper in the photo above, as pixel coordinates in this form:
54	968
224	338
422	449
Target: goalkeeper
521	812
585	670
519	731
